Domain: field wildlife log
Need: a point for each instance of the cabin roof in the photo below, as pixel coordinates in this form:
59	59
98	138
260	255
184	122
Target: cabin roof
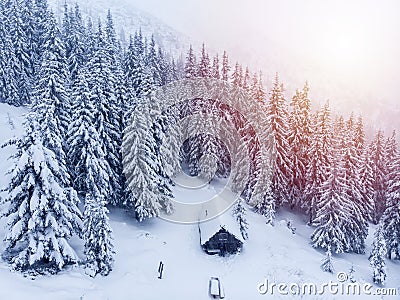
226	220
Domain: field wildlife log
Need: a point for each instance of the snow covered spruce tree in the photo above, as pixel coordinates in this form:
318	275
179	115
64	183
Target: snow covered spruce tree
327	263
279	147
257	90
225	68
262	197
20	59
210	148
90	170
190	64
140	76
101	83
91	180
42	213
73	33
158	129
140	159
204	67
379	173
16	52
357	225
320	158
377	257
99	248
8	83
365	170
215	69
153	63
239	213
299	141
50	97
170	146
391	217
331	211
236	77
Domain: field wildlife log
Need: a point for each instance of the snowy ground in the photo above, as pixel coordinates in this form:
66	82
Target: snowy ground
271	252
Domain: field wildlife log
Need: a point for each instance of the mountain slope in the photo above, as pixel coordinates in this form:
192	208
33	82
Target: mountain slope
129	19
271	252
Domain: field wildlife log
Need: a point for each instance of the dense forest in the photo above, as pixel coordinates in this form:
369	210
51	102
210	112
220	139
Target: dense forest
85	91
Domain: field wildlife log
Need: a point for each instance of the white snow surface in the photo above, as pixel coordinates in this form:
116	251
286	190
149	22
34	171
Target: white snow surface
271	252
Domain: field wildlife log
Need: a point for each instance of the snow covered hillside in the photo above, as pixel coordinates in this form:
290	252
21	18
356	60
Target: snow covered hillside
128	20
272	252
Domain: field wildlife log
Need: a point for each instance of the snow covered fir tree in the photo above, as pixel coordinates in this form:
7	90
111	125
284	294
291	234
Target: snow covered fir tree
98	144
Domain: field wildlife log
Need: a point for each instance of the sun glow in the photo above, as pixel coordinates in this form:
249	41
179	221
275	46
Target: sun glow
348	51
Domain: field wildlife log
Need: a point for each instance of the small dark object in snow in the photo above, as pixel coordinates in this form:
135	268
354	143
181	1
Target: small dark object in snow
289	225
160	270
216	289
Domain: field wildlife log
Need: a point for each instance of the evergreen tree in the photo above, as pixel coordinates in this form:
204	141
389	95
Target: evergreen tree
113	45
170	146
379	173
246	80
141	167
296	144
28	26
377	257
367	183
237	75
158	128
153	63
73	36
327	264
225	67
101	82
89	40
365	168
165	68
357	230
50	89
8	78
40	17
240	162
331	211
42	214
99	248
20	60
320	158
204	68
279	147
136	71
190	65
91	179
391	218
90	170
215	68
210	147
239	212
257	90
262	197
359	137
139	44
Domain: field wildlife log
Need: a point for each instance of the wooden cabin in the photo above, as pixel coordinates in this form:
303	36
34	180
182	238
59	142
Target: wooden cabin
221	235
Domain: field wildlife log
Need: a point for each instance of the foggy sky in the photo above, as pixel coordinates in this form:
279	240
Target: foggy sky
297	38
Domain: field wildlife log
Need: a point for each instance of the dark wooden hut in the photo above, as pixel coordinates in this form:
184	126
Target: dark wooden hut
221	235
